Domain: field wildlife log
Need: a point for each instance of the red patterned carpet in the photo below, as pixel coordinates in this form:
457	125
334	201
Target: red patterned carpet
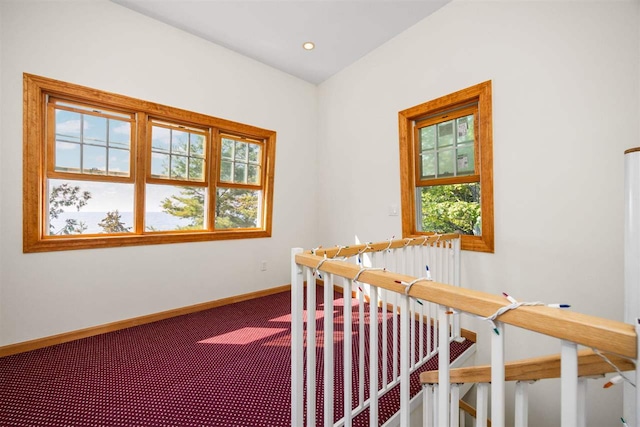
228	366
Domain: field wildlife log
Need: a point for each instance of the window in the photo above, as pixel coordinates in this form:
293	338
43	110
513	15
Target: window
446	165
105	170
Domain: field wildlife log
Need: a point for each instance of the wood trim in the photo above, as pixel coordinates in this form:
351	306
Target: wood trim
468	335
480	93
33	162
533	369
632	150
140	169
464	179
35	344
34	178
595	332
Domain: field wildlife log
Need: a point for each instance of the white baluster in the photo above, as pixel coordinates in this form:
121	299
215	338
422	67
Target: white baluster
482	400
385	348
395	335
404	361
427	405
361	323
522	404
373	357
455	405
421	321
443	365
456	282
497	376
348	350
311	348
297	341
412	332
569	383
582	402
436	404
328	350
636	391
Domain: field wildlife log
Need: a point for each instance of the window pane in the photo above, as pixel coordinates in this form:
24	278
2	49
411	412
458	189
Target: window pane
179	142
94	160
178	154
196	146
445	163
85	207
225	171
253	174
94	130
465	159
237	208
67	157
196	169
465	128
428	138
160	165
428	165
160	139
254	153
68	126
119	134
450	208
445	134
119	162
227	148
240	173
170	207
179	165
241	151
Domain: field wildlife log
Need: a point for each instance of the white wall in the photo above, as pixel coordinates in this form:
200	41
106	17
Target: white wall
565	103
108	47
1	192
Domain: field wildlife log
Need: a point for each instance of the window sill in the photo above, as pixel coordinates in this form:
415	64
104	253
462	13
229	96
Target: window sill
51	244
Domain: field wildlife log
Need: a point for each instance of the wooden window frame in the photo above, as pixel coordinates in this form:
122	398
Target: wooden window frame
479	94
35	139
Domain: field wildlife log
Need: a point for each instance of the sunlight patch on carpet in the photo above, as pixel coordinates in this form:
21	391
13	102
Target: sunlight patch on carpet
243	336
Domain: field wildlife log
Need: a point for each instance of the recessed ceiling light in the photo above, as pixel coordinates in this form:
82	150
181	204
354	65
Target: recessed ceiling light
308	45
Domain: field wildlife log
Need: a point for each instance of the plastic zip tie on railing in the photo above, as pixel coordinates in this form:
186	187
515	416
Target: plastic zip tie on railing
515	304
413	282
363	250
408	241
388	248
363	269
322	261
340	248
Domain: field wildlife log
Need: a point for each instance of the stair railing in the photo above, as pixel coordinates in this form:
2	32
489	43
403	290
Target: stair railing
571	328
524	372
350	268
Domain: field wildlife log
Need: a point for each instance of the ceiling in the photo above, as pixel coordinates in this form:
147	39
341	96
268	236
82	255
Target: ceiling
273	31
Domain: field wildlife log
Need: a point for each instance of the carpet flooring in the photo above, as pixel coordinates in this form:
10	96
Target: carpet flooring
228	366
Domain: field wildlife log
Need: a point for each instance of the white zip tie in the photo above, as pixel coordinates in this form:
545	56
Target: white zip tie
363	269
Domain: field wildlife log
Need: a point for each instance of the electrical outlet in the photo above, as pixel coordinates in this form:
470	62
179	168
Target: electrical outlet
263	265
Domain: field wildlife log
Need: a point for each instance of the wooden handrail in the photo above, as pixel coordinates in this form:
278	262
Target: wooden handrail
537	368
353	250
604	334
